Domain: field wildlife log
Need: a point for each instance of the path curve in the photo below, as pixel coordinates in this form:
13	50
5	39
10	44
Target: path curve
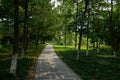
51	67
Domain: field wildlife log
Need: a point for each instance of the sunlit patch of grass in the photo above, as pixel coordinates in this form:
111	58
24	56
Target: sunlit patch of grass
95	66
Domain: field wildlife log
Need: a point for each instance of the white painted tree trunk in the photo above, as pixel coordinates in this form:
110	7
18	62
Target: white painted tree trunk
8	42
114	53
23	52
13	64
86	52
78	55
98	50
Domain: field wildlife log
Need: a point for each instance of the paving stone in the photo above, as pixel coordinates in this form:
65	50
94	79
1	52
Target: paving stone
51	67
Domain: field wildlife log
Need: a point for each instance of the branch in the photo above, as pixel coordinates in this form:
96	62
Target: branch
86	6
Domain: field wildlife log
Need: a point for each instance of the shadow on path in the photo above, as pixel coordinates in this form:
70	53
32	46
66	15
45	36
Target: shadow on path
51	67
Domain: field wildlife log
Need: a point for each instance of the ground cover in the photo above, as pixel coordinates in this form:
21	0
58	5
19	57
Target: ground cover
25	66
96	66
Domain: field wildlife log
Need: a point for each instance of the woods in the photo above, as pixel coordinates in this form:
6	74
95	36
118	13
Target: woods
96	17
25	23
88	24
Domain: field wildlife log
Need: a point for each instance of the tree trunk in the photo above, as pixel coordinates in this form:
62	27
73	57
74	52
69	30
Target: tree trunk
37	38
13	64
76	26
70	42
87	34
15	46
98	50
58	38
65	37
25	29
81	30
75	40
112	34
79	44
87	46
114	53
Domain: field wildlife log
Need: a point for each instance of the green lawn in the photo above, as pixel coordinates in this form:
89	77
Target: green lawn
102	66
25	66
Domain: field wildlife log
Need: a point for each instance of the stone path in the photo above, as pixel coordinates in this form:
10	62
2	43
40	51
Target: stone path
51	67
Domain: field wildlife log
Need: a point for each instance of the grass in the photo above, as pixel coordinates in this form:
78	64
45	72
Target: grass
25	66
96	66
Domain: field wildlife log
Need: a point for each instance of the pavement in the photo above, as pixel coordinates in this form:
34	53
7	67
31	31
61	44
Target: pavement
51	67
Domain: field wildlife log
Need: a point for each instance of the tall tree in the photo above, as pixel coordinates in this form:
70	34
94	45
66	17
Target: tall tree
81	28
25	29
112	29
16	31
88	22
76	34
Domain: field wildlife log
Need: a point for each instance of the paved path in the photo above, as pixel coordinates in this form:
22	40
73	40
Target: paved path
51	67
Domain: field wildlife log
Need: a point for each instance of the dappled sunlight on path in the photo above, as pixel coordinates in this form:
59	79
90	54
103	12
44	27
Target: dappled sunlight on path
50	67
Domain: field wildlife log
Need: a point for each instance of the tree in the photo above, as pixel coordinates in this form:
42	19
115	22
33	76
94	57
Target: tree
81	28
25	29
16	31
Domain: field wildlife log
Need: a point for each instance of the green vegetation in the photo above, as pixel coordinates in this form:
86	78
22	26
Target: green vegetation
86	24
25	67
24	23
96	66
